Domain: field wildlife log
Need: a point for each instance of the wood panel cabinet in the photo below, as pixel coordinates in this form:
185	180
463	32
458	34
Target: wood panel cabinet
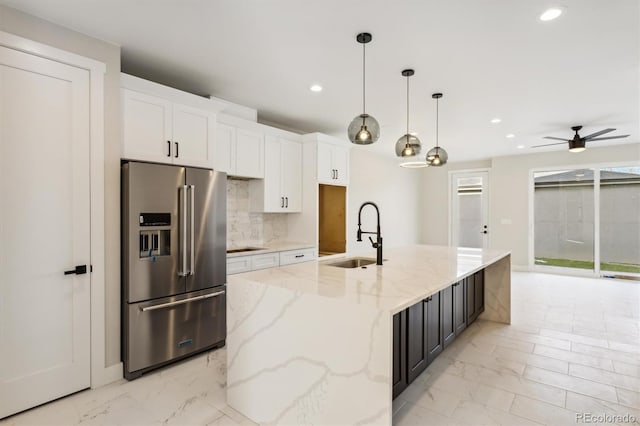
239	152
416	340
422	331
281	189
399	379
448	316
474	288
159	130
434	339
459	307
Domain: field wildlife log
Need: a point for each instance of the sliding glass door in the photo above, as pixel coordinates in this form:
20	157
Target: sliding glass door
587	219
620	219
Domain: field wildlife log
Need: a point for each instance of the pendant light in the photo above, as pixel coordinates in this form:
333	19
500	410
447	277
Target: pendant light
364	129
437	156
408	145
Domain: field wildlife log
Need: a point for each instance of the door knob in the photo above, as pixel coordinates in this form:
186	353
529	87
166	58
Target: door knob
79	270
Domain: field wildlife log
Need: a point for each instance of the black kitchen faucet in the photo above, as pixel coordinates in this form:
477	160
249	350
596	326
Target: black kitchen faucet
378	243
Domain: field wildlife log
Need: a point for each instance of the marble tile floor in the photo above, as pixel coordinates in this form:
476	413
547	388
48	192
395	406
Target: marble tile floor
573	347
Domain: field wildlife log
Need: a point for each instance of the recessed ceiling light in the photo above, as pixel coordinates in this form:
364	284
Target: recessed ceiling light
495	120
520	146
551	14
510	136
315	88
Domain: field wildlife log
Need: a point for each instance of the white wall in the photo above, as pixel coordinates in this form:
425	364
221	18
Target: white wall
396	191
30	27
508	193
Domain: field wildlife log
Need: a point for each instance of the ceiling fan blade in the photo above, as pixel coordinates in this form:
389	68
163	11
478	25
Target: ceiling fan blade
556	139
596	134
549	144
608	137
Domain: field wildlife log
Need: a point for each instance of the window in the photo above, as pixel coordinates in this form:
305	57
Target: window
588	219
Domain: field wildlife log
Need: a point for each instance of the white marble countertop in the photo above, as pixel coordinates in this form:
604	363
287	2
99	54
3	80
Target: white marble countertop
408	275
272	247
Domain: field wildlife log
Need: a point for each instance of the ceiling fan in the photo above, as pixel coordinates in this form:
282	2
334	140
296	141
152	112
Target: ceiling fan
577	144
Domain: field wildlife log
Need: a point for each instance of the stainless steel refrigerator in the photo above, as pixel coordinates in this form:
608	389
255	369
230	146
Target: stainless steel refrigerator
173	263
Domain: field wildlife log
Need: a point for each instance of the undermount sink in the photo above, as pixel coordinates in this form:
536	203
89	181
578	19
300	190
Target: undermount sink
242	250
354	262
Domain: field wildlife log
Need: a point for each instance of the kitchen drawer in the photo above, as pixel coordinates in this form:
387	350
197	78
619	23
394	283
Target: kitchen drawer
297	256
263	261
236	265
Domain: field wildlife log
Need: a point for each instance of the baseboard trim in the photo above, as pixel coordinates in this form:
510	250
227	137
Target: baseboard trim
110	374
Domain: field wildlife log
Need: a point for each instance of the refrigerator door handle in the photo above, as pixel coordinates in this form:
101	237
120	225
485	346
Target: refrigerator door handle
181	302
192	253
183	218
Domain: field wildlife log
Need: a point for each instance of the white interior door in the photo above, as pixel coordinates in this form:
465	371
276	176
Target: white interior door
44	230
469	209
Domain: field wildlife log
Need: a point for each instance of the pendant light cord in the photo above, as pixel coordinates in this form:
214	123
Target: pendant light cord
407	109
364	77
437	119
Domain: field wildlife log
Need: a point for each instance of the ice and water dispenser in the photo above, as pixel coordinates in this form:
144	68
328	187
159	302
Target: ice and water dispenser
155	234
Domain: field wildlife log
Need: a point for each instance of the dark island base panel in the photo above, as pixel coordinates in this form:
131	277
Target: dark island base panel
422	331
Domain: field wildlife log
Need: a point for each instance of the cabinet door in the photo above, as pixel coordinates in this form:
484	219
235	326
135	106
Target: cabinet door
273	169
224	153
399	353
146	127
448	318
193	136
470	289
416	343
326	172
340	160
459	307
434	339
291	175
249	154
479	299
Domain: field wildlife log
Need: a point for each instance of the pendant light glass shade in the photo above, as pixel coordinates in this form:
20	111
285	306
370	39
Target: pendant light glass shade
437	156
408	146
364	129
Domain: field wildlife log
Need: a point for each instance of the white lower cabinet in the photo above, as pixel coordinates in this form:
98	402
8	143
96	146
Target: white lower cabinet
297	256
264	261
239	264
236	265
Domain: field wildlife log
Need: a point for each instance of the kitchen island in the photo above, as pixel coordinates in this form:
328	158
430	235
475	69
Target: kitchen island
313	343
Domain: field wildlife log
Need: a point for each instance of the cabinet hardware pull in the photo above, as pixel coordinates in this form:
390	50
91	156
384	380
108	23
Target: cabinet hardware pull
286	199
281	202
168	148
299	255
177	150
337	174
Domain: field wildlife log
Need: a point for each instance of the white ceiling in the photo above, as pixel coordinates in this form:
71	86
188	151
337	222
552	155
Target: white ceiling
491	58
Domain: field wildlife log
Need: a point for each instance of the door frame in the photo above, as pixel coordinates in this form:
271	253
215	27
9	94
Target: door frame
596	272
451	174
100	374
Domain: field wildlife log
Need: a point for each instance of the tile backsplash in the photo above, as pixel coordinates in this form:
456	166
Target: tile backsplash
250	229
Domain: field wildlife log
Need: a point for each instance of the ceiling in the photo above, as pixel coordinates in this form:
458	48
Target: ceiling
490	58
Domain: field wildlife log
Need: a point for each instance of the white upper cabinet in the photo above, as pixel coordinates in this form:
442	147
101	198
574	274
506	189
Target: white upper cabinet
147	127
239	152
249	153
333	164
159	130
281	189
